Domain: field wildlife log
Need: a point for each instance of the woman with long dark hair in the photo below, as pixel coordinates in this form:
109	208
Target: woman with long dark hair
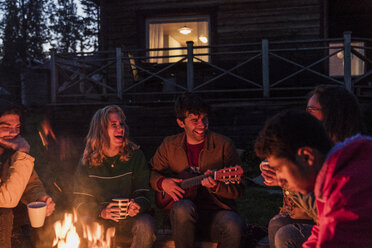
338	110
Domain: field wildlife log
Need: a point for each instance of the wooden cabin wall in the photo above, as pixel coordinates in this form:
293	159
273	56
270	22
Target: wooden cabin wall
123	22
346	15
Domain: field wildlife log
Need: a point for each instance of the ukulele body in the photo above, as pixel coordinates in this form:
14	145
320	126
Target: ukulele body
164	201
191	181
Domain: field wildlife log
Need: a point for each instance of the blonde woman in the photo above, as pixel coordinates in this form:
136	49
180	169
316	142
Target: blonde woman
114	167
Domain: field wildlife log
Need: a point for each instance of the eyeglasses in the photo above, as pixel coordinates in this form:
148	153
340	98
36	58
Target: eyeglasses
312	109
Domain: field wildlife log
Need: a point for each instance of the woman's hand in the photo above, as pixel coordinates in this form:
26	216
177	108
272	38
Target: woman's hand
111	212
268	174
50	205
133	208
270	177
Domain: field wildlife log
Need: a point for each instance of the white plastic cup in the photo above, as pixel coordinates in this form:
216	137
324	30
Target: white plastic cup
36	213
123	204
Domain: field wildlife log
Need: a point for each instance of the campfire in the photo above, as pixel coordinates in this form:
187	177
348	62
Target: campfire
94	235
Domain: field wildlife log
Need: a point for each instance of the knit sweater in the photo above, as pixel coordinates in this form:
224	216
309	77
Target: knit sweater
96	186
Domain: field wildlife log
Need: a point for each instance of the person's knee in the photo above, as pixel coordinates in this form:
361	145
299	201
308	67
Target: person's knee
182	210
233	224
277	222
144	231
145	224
288	236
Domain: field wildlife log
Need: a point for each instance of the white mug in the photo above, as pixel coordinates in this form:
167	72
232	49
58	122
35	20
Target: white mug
123	204
36	213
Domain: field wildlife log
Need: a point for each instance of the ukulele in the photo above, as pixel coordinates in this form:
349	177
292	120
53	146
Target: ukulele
226	175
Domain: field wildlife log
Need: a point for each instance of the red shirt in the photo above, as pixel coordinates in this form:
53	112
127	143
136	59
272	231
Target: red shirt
203	199
193	152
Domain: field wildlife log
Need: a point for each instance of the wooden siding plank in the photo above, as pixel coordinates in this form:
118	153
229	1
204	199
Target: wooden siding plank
234	21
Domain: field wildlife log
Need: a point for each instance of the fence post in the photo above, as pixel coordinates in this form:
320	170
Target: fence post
53	76
265	68
347	60
119	73
190	65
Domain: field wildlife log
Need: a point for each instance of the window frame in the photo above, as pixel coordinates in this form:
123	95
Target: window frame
177	19
354	59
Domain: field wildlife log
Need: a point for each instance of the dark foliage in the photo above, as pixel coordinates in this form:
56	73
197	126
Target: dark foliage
29	29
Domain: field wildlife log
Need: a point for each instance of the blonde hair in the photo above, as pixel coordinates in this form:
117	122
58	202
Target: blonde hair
98	140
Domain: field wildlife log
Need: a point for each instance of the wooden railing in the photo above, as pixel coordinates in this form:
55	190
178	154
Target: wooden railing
265	70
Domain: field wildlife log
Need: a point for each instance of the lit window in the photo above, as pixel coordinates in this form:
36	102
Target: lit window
336	62
175	32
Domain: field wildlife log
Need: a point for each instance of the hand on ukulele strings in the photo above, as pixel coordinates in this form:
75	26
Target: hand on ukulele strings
133	208
209	182
111	212
170	186
18	144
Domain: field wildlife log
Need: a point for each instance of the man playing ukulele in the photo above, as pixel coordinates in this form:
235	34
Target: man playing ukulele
212	212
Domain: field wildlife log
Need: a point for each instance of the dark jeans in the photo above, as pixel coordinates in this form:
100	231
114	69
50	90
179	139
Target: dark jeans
6	227
15	230
141	230
287	232
222	226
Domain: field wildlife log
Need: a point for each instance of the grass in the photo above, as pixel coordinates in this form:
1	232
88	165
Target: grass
258	206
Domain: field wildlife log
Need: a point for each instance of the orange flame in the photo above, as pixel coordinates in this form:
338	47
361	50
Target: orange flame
67	236
94	233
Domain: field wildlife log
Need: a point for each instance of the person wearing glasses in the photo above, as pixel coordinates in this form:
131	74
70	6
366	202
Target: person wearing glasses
340	114
338	110
305	160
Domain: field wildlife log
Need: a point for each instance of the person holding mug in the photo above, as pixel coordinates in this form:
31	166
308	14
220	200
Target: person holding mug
18	179
114	167
339	112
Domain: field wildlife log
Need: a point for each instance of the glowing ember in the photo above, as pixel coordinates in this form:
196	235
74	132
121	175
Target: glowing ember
67	236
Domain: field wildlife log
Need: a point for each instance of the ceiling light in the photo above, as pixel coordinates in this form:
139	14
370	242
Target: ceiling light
185	30
203	39
340	55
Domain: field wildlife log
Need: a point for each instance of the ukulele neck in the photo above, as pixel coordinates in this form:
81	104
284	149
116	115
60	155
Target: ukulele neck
194	181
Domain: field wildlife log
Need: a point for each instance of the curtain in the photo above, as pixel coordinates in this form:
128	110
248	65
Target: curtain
156	40
202	31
